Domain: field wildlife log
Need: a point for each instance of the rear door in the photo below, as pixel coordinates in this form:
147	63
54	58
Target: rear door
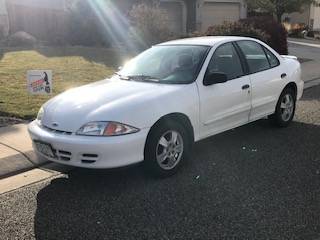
266	77
225	105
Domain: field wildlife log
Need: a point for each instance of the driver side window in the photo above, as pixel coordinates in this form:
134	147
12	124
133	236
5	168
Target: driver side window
226	60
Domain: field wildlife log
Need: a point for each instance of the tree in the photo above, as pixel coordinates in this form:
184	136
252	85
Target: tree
278	7
149	24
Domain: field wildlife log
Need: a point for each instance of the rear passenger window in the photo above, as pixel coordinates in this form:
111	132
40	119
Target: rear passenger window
273	60
226	60
255	56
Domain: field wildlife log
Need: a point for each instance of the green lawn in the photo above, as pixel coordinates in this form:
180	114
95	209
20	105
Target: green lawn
72	66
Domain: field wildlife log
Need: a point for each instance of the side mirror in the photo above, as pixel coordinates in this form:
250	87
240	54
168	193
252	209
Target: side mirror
215	77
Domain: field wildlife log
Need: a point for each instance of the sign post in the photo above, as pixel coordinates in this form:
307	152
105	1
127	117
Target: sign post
39	82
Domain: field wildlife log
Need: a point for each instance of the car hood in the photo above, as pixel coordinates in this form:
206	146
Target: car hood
106	100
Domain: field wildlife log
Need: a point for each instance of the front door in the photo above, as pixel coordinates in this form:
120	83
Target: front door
225	105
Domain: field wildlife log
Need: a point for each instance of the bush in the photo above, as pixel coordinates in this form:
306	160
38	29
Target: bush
84	26
310	34
237	29
21	39
276	31
149	25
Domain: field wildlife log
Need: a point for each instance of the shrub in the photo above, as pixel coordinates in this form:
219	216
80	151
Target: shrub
276	31
237	29
149	25
21	39
310	34
84	26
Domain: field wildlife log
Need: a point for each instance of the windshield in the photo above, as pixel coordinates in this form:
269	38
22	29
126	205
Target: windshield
166	64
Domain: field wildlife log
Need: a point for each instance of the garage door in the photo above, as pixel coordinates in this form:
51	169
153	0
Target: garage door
217	13
175	15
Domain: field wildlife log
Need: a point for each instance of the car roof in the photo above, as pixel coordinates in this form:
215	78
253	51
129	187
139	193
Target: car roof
205	41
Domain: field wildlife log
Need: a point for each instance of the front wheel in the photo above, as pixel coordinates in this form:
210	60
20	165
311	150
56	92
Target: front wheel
285	109
167	146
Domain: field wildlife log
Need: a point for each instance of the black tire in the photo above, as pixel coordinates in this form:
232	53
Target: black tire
151	164
277	118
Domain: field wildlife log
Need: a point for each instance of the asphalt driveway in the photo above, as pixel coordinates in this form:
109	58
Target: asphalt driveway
254	182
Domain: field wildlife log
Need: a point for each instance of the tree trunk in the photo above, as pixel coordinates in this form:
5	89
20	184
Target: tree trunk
279	16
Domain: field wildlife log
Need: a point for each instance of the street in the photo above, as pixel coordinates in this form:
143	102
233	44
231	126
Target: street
254	182
309	55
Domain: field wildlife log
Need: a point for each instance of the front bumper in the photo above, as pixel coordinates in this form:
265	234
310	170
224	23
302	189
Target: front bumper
91	152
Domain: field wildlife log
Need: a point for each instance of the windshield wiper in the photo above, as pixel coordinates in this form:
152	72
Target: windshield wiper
140	77
143	78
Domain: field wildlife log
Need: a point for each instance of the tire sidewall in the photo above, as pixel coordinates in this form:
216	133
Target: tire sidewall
150	159
278	117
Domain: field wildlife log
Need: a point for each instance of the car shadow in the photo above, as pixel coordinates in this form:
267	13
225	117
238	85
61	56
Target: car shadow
252	182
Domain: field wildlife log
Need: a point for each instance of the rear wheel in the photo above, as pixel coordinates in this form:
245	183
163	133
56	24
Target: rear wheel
285	108
167	146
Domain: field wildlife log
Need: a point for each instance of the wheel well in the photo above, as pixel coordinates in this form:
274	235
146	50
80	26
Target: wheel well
179	118
292	86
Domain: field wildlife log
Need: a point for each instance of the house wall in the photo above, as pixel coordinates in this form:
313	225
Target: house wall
4	21
46	4
177	13
315	16
181	12
191	15
192	12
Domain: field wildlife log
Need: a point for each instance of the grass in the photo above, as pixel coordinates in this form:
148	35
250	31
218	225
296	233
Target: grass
72	66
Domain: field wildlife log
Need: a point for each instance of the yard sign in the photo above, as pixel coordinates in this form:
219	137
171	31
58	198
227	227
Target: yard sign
39	81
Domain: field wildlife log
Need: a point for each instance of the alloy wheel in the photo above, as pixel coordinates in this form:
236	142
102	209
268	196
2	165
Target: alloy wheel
287	107
169	149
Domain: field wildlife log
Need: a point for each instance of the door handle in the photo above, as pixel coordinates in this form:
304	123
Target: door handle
283	75
244	87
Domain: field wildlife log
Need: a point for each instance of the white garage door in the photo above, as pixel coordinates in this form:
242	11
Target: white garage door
175	14
217	13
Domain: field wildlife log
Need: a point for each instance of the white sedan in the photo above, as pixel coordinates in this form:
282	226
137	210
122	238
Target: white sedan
164	100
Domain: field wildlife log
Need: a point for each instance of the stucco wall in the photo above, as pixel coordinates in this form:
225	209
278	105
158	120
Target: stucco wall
50	4
4	22
315	15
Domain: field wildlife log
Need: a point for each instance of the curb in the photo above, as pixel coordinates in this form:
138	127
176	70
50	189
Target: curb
311	83
19	162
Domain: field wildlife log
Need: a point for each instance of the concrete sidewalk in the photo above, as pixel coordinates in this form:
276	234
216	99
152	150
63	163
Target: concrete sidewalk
16	154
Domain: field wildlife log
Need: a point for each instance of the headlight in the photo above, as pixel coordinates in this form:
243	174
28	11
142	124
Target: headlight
40	114
106	129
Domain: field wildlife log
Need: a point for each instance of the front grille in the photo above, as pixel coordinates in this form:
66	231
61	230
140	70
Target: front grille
55	130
